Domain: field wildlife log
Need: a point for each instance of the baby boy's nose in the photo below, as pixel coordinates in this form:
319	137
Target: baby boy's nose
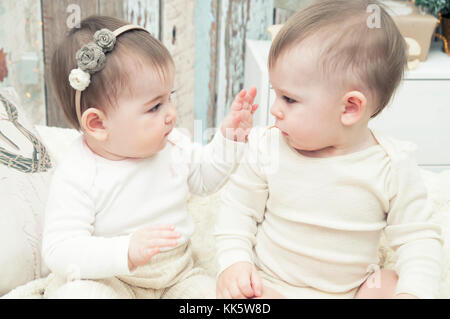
276	112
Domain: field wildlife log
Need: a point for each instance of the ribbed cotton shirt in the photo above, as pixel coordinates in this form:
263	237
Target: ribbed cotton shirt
316	222
95	204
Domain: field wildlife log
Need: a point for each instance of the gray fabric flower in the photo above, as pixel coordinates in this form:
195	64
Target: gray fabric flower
105	39
91	58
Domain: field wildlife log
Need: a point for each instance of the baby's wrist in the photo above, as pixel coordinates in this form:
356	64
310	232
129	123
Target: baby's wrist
131	266
235	135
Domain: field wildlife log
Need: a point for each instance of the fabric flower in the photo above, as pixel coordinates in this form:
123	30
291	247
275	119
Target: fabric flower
91	58
79	79
105	39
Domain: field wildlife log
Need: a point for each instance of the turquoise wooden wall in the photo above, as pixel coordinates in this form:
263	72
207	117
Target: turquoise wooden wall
206	37
222	27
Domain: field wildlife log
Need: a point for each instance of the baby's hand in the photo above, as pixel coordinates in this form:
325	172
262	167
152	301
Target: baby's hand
239	121
146	242
239	281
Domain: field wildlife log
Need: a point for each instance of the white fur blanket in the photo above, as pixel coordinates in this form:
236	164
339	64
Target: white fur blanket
203	210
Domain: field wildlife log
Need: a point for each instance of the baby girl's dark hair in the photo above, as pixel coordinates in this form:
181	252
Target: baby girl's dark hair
136	46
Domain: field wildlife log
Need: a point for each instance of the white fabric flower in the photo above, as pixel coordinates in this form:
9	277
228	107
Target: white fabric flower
79	79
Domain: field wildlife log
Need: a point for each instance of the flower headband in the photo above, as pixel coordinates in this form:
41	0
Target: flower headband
91	59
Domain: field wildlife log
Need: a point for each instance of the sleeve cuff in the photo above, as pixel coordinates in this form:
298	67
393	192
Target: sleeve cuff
121	253
418	286
229	150
228	258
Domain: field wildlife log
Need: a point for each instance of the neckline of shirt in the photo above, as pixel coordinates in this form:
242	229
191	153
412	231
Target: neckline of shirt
353	155
99	159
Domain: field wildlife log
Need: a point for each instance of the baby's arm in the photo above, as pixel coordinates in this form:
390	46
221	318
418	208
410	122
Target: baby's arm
411	232
70	247
211	165
242	206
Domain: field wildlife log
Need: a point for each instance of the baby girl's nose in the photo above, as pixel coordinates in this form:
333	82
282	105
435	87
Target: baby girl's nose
171	116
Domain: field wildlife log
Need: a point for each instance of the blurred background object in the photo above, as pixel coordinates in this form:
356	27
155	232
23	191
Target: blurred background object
441	10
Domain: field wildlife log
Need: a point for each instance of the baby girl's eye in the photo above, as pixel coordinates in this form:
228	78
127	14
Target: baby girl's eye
288	100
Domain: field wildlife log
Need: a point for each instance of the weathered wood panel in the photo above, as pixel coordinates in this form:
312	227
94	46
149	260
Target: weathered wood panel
205	62
114	8
284	9
57	22
238	20
21	54
144	13
178	34
282	15
141	12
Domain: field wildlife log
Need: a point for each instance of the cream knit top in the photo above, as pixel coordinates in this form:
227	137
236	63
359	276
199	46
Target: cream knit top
316	222
95	204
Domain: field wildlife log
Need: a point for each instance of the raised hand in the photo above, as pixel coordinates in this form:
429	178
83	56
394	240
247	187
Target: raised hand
239	121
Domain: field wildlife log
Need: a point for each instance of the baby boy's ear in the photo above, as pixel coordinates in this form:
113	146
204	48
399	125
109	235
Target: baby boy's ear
354	107
92	123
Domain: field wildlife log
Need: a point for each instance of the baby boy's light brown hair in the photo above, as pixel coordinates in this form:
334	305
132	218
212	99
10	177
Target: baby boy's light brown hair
361	47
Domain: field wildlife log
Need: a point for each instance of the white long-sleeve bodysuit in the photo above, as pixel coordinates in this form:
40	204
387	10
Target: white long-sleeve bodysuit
316	222
95	204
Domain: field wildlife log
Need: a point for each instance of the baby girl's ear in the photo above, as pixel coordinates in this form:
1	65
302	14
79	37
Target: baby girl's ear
354	107
92	123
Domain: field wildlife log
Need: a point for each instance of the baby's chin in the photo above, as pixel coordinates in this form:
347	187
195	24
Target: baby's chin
298	146
162	145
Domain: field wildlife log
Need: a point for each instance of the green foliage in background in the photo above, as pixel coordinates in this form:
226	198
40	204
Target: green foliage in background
435	6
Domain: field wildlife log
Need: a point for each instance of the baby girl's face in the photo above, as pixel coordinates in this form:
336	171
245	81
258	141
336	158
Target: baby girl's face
306	111
139	126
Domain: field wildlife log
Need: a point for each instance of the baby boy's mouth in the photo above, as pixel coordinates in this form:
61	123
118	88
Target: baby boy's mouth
282	132
170	131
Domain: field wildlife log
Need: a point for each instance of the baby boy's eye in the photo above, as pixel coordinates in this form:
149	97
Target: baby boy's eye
155	108
289	100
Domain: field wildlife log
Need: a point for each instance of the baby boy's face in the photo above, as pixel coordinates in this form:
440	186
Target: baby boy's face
139	126
306	109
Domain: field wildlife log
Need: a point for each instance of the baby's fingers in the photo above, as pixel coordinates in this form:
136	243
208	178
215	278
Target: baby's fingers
235	292
160	242
239	101
251	94
245	286
158	234
256	283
